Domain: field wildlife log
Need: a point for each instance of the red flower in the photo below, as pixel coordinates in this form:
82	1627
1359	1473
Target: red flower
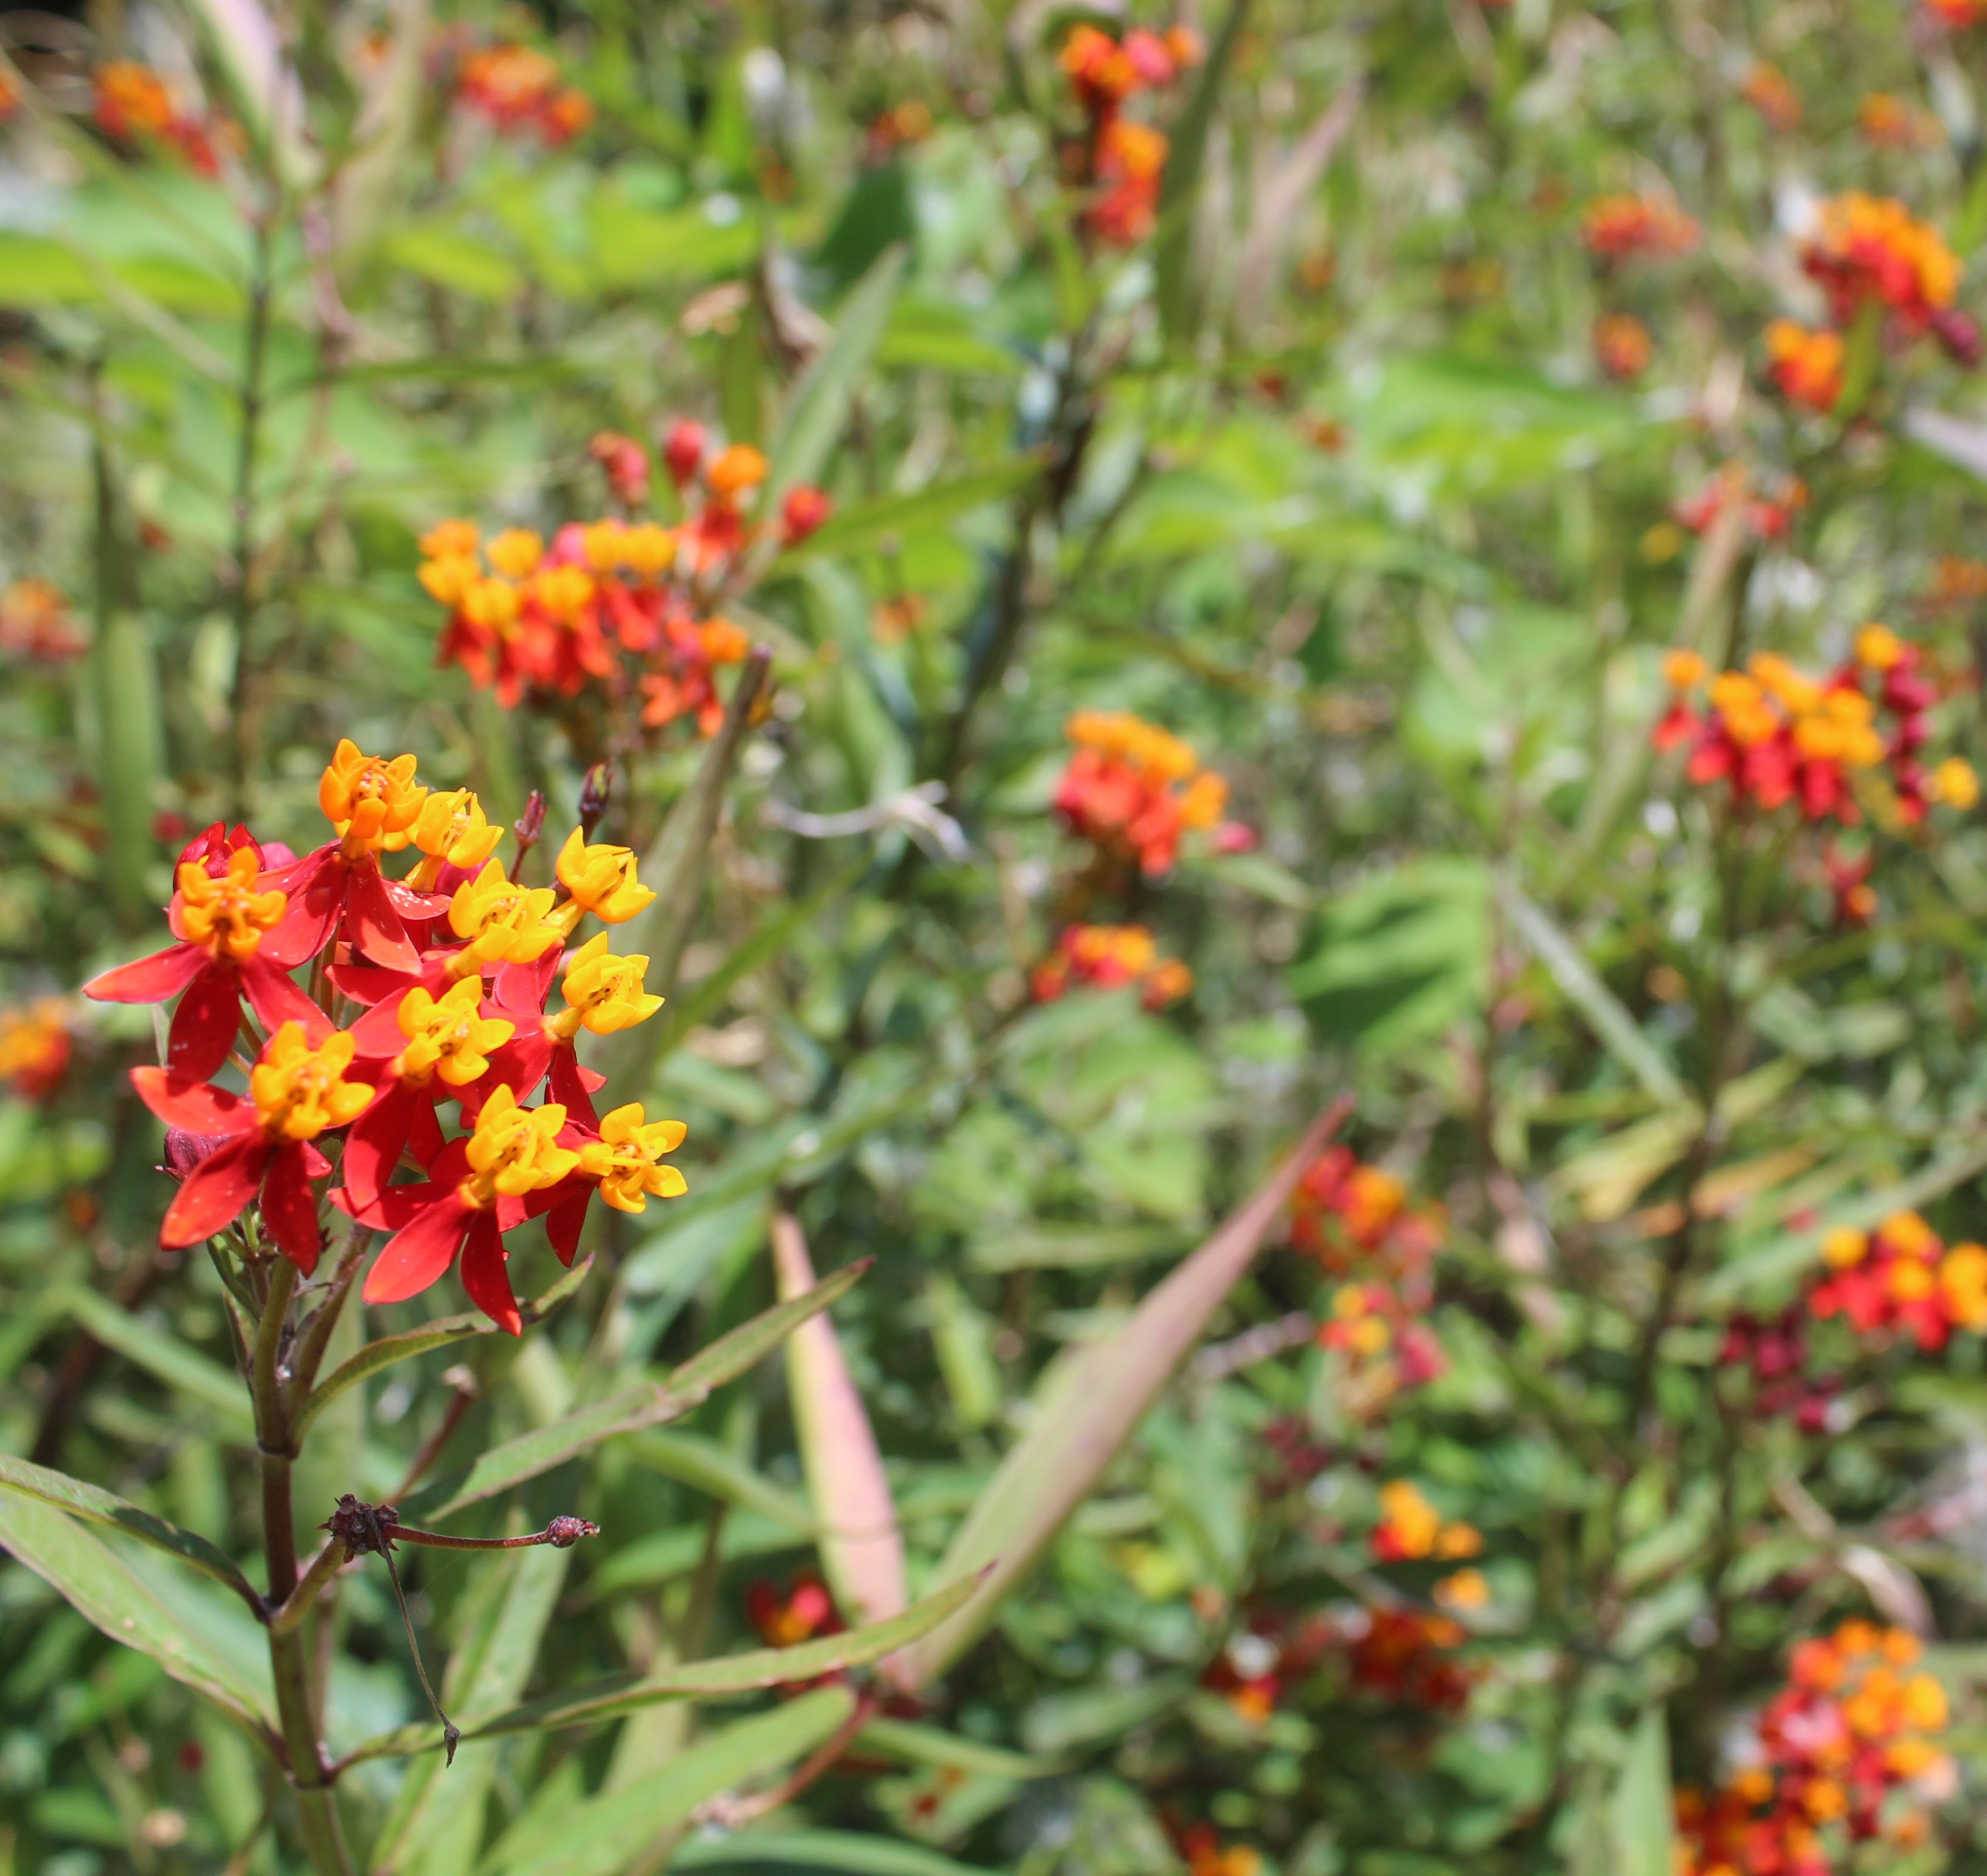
236	941
296	1093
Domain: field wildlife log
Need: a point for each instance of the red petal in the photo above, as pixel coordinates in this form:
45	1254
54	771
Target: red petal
563	1224
377	1032
422	1250
363	983
378	1137
278	999
289	1208
372	924
216	1191
186	1101
314	885
412	905
151	980
520	990
424	1139
205	1023
568	1087
519	1065
483	1276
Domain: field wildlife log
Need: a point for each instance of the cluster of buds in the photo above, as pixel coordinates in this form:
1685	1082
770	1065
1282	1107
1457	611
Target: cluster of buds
1412	1530
1622	227
1386	1345
1770	92
516	90
1777	1353
1775	735
1120	160
429	992
1845	1756
1110	957
1263	1659
1133	789
1770	508
1869	250
133	105
36	624
1622	346
1901	1279
37	1041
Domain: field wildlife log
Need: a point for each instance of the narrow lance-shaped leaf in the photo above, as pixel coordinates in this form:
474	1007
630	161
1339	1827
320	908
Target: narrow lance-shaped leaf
382	1354
610	1831
627	1410
183	1369
92	1502
751	1672
1175	287
1101	1396
108	1593
674	866
862	1548
818	413
130	737
706	1465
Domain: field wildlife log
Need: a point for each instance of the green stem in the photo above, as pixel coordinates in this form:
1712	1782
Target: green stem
289	1656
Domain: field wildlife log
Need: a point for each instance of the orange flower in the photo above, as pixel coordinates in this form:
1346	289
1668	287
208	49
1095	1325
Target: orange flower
1123	789
1617	228
1867	249
1622	345
1807	366
1768	91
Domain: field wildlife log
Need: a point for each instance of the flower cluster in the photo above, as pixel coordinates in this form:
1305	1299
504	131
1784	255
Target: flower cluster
1870	250
1845	1756
1770	92
36	623
1411	1530
1775	735
445	977
1109	957
1133	789
1121	161
37	1041
1621	228
133	105
1806	367
626	604
805	1612
1206	1855
1770	509
516	88
1887	122
1407	1657
1622	346
1776	1353
1902	1278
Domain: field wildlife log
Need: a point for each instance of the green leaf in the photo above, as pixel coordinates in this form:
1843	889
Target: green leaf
801	1853
1174	286
117	1599
706	1465
674	866
816	413
438	1334
628	1410
929	335
36	272
168	1360
606	1834
1086	1410
93	1503
751	1672
462	263
918	1744
867	524
437	1822
748	1344
1644	1808
1583	989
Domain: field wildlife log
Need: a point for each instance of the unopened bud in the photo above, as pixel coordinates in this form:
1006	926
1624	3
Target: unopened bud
563	1534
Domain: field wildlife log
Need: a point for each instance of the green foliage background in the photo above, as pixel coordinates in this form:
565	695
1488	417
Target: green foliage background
1427	663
